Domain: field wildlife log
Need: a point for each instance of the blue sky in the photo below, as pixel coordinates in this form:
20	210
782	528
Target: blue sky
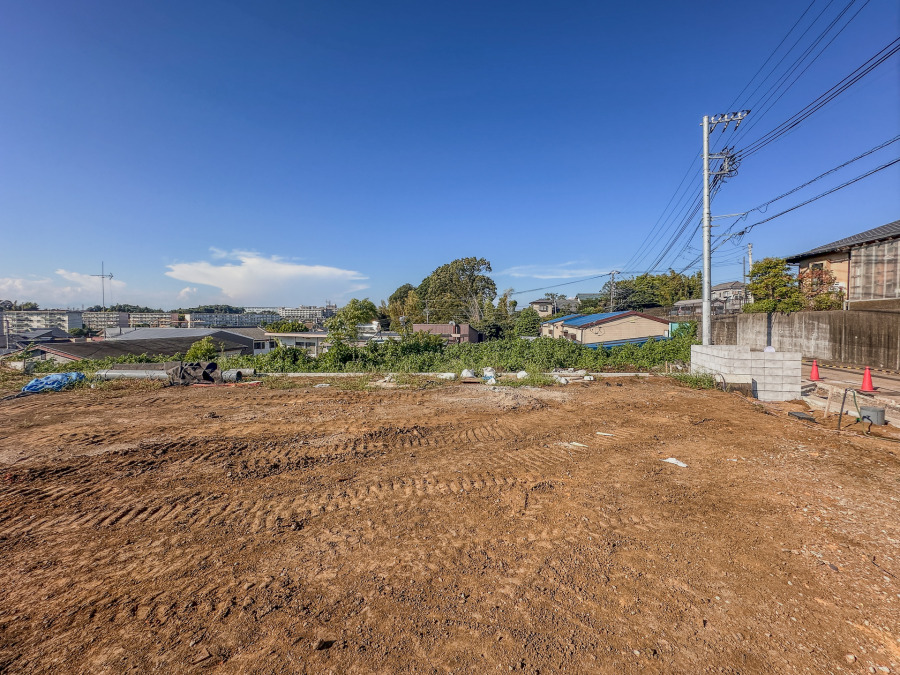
288	153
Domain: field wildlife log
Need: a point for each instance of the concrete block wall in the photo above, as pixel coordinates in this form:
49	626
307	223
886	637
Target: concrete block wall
775	376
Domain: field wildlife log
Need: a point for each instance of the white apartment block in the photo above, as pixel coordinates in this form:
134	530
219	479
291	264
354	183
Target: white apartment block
104	320
152	319
210	320
37	319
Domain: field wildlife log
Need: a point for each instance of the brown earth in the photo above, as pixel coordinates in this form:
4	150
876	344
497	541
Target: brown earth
453	529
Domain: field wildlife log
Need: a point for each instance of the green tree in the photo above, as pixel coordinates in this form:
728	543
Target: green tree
400	294
342	326
205	349
457	290
773	287
528	322
286	327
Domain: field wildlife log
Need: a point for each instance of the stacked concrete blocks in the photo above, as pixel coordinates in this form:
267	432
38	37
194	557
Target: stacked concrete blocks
774	376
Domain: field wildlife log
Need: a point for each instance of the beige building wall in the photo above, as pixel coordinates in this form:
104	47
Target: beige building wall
626	328
838	263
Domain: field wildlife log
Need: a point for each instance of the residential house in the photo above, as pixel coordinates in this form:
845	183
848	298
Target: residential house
607	327
553	327
453	333
866	266
733	293
546	306
312	341
695	307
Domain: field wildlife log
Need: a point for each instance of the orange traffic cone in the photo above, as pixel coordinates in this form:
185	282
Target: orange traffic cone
867	381
814	373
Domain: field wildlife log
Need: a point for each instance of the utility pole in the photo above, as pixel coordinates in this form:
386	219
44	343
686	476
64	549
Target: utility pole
750	254
728	168
612	291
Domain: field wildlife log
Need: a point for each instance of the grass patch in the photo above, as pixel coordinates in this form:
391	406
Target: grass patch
414	381
360	383
532	380
696	380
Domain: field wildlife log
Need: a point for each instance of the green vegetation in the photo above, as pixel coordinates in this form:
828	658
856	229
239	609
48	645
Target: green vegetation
695	381
773	287
528	323
533	380
286	327
421	352
210	309
205	349
342	326
12	306
646	290
122	308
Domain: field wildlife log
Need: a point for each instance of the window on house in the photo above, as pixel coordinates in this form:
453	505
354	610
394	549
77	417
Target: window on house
817	266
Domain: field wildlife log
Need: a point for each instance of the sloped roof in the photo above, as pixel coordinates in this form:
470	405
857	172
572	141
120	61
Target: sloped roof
729	285
591	318
115	348
888	231
594	319
560	318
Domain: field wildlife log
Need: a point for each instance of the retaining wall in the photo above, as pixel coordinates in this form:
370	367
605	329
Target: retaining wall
847	337
774	376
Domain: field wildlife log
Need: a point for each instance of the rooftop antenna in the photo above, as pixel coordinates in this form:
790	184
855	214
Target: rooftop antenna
103	278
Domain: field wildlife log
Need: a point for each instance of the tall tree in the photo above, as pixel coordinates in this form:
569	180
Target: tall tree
457	290
528	322
773	287
342	326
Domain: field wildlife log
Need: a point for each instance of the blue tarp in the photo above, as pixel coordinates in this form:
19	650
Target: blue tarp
55	382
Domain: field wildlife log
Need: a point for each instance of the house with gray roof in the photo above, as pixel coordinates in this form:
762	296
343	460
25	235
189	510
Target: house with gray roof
866	266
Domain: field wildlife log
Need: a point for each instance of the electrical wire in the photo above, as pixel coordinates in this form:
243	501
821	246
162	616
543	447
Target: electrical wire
816	105
819	196
762	107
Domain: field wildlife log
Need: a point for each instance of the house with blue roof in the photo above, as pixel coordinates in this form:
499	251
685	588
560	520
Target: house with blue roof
597	329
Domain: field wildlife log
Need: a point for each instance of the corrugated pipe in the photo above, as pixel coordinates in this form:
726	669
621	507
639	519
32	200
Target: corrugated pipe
232	375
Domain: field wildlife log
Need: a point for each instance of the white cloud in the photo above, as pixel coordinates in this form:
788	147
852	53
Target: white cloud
186	292
66	289
253	278
566	270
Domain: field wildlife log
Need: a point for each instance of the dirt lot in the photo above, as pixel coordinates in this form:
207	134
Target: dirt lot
451	529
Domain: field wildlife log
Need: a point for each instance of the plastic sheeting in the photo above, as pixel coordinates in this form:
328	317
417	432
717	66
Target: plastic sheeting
55	382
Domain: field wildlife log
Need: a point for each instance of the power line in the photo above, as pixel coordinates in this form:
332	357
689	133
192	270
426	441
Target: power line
816	105
820	176
566	283
760	107
824	194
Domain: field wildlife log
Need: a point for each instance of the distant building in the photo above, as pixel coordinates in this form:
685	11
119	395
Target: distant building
453	333
22	321
221	319
253	338
103	320
581	297
546	306
593	329
153	319
312	341
866	266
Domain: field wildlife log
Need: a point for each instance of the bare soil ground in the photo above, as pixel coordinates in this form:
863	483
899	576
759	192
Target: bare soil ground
451	529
